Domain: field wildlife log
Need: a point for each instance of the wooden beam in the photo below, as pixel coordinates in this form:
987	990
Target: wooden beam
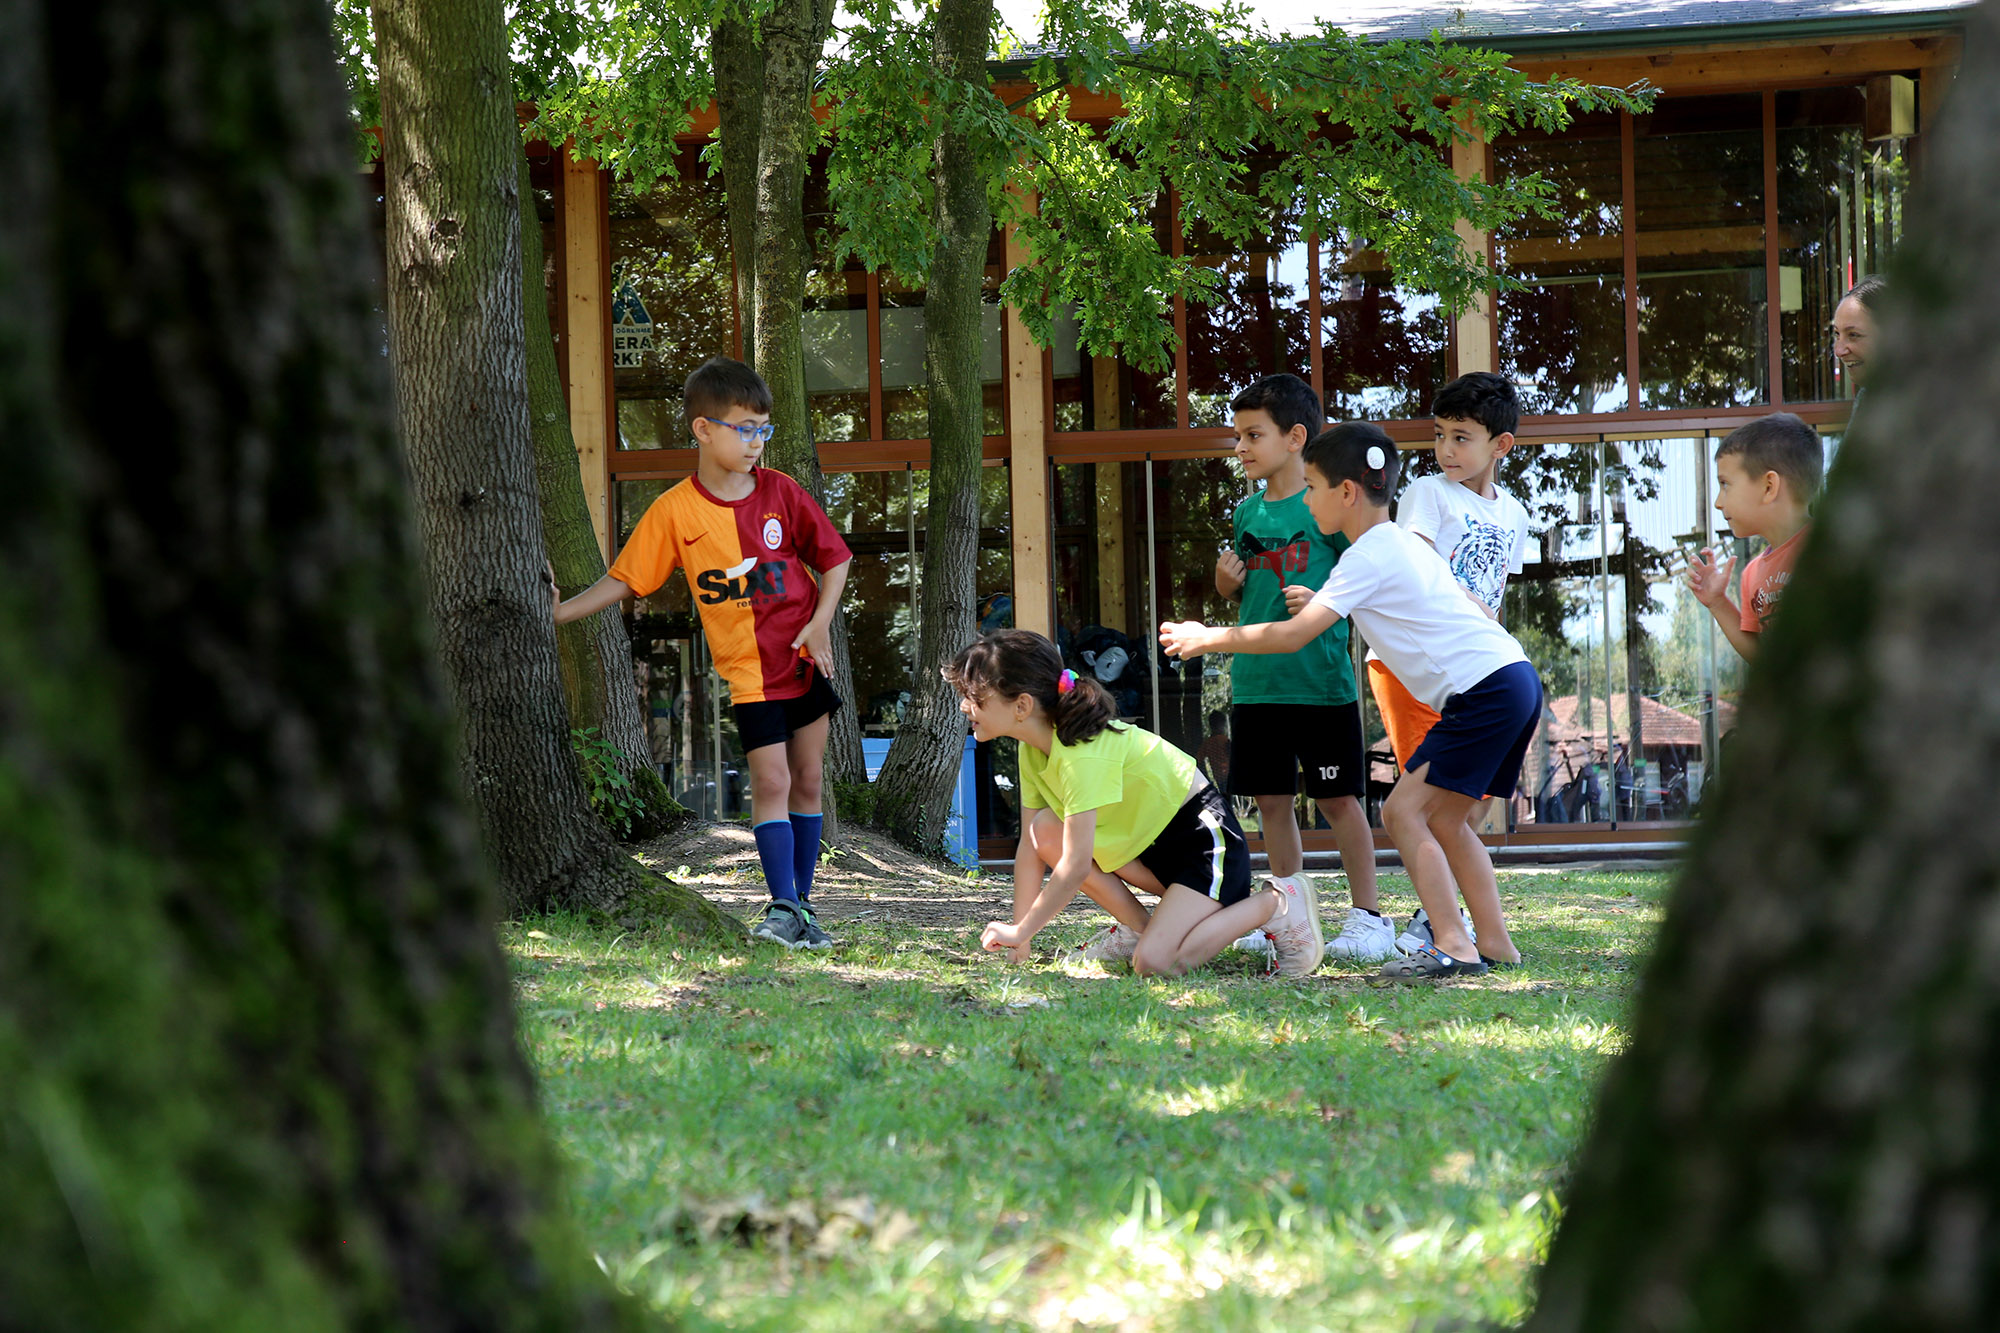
1110	499
586	319
1473	339
1028	475
1666	244
1713	68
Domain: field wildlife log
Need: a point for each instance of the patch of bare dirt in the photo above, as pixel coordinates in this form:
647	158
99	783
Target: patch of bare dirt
867	878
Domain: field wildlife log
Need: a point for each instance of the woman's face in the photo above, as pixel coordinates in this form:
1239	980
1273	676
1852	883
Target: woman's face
1853	339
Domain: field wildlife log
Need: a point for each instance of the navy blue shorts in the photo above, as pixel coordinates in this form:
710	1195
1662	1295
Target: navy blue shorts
1482	735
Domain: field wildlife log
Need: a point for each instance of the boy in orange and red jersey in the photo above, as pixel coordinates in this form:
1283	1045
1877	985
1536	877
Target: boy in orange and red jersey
752	542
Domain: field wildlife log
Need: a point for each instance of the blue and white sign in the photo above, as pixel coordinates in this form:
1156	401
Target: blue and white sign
631	327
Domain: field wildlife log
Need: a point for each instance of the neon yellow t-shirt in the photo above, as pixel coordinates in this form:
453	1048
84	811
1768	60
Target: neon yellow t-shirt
1133	779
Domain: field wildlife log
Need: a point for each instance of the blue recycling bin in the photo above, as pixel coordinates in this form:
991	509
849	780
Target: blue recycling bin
961	838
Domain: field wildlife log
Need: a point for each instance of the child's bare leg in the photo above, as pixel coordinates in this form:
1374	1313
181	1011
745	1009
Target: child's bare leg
805	758
1190	928
1472	867
1411	813
1101	887
1356	842
770	783
1282	847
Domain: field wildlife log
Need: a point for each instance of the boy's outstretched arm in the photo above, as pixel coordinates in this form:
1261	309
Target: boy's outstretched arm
817	637
1191	638
607	591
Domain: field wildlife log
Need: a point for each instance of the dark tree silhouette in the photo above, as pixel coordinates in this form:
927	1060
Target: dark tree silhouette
1803	1132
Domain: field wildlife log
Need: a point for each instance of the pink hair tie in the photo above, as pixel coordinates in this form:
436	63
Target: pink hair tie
1066	681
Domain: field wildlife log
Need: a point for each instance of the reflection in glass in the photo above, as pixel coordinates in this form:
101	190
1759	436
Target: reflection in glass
834	332
1383	346
905	367
1256	325
1699	168
1840	212
671	243
1562	340
1103	392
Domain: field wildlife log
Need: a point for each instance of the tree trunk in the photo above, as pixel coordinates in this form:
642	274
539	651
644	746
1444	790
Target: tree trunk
1801	1135
794	33
594	655
452	183
258	1066
739	108
913	793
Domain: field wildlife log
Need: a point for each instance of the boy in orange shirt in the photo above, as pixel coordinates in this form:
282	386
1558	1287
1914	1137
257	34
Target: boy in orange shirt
1767	475
752	542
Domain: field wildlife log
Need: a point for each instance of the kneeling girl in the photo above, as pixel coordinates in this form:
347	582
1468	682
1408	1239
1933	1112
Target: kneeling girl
1107	807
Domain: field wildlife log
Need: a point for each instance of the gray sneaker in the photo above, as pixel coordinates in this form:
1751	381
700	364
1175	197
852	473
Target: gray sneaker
814	937
783	923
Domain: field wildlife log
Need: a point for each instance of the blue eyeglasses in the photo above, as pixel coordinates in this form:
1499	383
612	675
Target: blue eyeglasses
751	433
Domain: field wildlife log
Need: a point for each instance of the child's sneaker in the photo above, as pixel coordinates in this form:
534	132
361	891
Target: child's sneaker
1113	944
1255	942
1365	937
1296	941
783	923
814	937
1418	936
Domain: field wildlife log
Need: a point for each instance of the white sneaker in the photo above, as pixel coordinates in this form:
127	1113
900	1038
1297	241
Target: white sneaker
1418	936
1365	937
1296	942
1255	942
1113	944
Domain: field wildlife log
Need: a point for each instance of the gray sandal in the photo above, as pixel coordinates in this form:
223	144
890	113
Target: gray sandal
1431	964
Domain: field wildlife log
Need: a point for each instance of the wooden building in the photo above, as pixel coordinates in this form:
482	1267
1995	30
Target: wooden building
1686	288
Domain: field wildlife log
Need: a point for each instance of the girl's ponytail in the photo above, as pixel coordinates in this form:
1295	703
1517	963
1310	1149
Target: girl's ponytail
1013	662
1083	708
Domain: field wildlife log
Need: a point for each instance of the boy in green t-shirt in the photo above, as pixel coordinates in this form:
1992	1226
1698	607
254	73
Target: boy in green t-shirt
1298	709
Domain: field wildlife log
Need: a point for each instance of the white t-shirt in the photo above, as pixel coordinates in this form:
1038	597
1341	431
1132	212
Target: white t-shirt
1482	540
1402	597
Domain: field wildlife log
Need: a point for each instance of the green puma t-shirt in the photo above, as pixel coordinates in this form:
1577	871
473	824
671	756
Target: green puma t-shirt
1279	543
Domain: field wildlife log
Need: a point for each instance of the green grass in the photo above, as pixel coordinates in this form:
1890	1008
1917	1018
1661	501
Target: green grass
909	1134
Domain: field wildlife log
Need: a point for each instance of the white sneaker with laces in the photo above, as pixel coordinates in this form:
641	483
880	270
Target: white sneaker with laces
1113	944
1365	937
1255	942
1418	936
1296	941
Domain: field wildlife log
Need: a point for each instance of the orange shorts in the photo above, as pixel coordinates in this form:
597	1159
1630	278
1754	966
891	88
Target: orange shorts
1405	717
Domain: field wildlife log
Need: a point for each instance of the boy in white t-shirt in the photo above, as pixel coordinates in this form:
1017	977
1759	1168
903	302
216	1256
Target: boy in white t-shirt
1449	653
1479	529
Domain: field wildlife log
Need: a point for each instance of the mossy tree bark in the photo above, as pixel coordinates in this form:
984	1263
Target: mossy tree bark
258	1066
794	33
451	184
913	793
1802	1133
593	655
739	108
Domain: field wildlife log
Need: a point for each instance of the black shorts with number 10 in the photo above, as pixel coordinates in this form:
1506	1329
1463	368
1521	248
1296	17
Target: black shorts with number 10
1270	743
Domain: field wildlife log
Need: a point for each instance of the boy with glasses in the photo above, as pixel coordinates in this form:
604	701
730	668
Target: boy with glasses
766	568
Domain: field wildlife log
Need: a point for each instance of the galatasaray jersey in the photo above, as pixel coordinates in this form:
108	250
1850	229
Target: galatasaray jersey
751	565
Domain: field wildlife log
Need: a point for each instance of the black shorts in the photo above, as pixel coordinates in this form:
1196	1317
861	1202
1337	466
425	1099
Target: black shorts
1202	847
772	721
1269	743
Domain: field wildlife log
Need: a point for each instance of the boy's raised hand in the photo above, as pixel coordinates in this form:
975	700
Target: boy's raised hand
555	591
1708	578
1181	638
1230	571
1296	597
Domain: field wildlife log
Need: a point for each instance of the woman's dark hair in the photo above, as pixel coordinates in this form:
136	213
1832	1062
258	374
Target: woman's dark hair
1360	452
1013	662
1869	291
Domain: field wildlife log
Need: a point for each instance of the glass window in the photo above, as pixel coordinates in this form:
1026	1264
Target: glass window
1562	340
905	366
1257	323
1103	392
834	331
1383	346
1699	167
1840	210
670	251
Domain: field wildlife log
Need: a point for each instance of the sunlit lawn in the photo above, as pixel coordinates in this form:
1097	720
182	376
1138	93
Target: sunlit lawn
908	1134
